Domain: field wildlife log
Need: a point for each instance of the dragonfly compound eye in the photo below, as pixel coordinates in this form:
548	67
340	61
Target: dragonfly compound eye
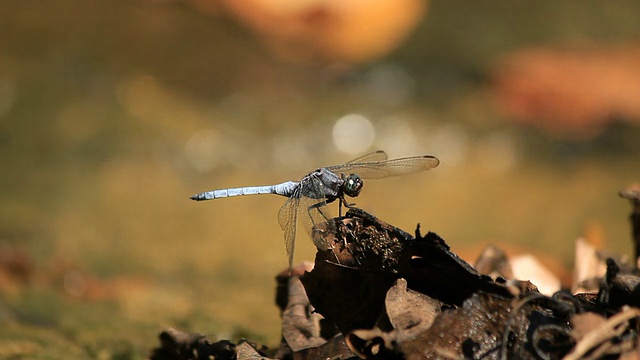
352	185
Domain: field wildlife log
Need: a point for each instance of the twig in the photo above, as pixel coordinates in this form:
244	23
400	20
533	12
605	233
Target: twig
595	339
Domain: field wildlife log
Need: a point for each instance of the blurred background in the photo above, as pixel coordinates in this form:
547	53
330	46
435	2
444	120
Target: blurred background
113	113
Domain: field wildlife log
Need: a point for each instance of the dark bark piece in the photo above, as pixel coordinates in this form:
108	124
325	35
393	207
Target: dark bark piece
350	281
625	290
620	288
431	268
349	298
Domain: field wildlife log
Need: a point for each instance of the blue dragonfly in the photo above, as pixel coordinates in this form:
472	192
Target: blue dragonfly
308	198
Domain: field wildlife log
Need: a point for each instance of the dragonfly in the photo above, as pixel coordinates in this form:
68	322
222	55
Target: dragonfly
308	198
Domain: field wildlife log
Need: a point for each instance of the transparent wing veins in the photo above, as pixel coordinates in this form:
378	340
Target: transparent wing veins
387	168
287	217
379	155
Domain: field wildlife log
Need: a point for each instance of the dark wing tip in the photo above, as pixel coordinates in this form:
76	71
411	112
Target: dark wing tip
434	158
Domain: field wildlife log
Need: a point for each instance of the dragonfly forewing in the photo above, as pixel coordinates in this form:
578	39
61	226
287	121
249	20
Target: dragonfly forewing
387	168
374	156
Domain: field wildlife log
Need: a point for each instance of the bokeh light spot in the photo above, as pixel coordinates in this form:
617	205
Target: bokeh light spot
353	133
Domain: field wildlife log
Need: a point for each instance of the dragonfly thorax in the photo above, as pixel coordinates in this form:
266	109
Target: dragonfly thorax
352	185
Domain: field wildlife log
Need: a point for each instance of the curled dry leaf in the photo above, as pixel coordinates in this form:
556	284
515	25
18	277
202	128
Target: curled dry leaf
410	312
300	325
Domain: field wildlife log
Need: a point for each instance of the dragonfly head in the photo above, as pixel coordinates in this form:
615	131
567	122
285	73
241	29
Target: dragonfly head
352	185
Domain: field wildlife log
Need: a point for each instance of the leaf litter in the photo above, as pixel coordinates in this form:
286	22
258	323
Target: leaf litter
382	293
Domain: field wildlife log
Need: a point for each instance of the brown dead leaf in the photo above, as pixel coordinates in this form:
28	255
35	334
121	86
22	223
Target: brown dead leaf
577	90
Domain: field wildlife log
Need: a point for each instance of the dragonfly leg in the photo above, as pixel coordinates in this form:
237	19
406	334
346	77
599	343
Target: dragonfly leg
344	202
319	207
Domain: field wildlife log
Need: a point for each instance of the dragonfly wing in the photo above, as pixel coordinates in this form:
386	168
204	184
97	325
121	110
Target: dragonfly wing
313	210
287	217
387	168
379	155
